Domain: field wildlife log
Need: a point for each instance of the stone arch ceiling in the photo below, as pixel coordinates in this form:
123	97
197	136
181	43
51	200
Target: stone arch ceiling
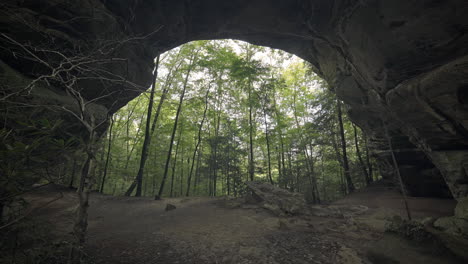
402	61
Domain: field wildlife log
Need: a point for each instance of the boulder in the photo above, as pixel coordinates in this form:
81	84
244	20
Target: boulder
170	207
277	200
454	229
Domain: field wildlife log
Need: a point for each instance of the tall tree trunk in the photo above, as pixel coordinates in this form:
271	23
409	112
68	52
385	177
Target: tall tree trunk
397	171
368	161
70	185
309	161
347	173
174	164
147	141
81	221
197	169
267	137
174	129
251	156
291	177
280	170
200	127
181	176
215	157
314	178
106	165
281	165
129	153
358	152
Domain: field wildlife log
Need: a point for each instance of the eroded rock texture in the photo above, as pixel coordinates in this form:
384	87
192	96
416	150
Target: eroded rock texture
401	62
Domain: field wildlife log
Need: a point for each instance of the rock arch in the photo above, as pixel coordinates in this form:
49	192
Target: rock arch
401	61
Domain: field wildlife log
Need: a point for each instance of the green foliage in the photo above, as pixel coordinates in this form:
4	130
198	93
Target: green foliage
293	115
29	152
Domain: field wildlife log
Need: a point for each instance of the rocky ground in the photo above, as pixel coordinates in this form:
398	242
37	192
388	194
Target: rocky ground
255	230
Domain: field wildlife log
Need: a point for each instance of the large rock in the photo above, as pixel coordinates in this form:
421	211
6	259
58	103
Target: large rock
277	200
403	62
454	229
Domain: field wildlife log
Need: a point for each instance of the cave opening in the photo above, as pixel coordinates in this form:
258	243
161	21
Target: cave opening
248	113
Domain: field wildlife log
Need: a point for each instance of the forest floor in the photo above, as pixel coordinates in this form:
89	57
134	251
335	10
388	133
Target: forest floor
211	230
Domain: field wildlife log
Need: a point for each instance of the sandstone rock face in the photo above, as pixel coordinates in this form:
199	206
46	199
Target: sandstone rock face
400	62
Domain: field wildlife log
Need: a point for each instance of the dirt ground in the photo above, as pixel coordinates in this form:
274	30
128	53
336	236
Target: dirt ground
213	230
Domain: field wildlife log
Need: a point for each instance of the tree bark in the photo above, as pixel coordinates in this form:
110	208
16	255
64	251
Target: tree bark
347	173
189	179
251	156
147	141
267	137
174	129
397	170
106	165
174	163
368	161
361	162
81	221
70	185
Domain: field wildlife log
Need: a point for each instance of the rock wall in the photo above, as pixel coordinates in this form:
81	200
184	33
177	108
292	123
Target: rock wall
402	63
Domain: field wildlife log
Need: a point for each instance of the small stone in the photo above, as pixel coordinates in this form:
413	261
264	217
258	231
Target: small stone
170	207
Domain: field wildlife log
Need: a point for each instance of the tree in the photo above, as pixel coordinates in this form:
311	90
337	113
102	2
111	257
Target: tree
179	108
147	140
199	138
109	145
347	174
367	177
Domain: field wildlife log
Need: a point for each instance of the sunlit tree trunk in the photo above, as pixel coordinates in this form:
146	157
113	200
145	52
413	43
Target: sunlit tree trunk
267	137
199	138
251	156
174	129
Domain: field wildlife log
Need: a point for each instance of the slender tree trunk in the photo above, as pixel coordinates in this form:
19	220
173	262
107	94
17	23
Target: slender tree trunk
70	185
309	161
283	163
343	147
147	141
358	153
174	163
200	127
228	167
314	178
106	165
368	161
215	157
81	221
197	169
251	157
280	170
267	137
181	177
129	153
101	163
174	129
397	170
291	177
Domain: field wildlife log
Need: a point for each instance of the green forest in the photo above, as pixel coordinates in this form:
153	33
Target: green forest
225	112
